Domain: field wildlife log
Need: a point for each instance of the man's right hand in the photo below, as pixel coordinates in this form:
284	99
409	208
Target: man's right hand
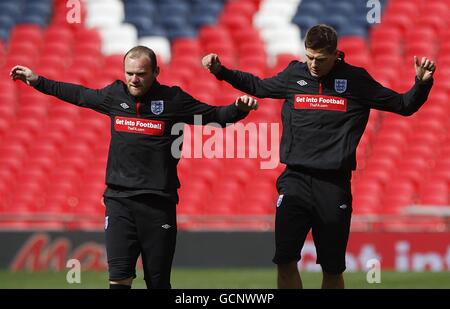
24	74
212	63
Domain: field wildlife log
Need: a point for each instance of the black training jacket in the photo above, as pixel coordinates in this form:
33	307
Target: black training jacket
140	158
324	119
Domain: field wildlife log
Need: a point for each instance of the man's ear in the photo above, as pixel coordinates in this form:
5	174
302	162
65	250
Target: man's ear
339	54
156	71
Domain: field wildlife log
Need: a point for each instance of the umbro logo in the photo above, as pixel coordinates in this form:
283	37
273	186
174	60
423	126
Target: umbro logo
166	226
124	105
343	206
280	200
302	82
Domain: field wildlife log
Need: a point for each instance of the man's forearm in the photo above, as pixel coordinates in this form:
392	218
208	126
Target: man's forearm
229	114
416	97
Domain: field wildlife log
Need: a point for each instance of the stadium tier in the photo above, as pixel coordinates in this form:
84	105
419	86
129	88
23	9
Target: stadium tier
53	155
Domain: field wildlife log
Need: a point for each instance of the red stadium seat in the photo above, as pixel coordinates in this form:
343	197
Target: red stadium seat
23	59
191	205
353	44
58	34
223	206
24	48
252	49
58	49
430	124
246	35
377	175
282	60
20	208
89	61
214	33
388	137
84	73
381	162
226	97
402	7
366	205
186	46
435	193
395	204
385	33
240	8
89	206
436	22
15	149
435	8
419	49
224	49
395	60
60	173
387	74
385	48
27	32
255	205
235	22
426	34
441	172
401	161
185	61
52	61
89	49
401	22
87	35
115	61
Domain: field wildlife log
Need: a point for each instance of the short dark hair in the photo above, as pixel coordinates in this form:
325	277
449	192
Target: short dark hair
321	37
140	50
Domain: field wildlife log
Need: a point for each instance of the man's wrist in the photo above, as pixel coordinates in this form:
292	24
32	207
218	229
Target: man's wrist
35	81
423	82
217	71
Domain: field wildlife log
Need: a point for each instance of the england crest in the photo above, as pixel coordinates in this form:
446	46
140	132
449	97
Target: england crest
340	85
157	107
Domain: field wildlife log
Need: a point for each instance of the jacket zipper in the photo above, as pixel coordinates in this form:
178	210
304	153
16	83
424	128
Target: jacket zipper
320	87
138	108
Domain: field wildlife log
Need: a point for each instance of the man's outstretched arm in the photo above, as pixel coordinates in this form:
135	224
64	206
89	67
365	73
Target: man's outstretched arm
71	93
273	87
225	115
376	96
222	115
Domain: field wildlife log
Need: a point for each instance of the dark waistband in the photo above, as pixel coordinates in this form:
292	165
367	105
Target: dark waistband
318	172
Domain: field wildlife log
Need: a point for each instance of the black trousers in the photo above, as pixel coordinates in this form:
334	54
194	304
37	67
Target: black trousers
143	224
320	201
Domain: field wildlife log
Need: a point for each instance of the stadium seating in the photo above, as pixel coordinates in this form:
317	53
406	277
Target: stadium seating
53	155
